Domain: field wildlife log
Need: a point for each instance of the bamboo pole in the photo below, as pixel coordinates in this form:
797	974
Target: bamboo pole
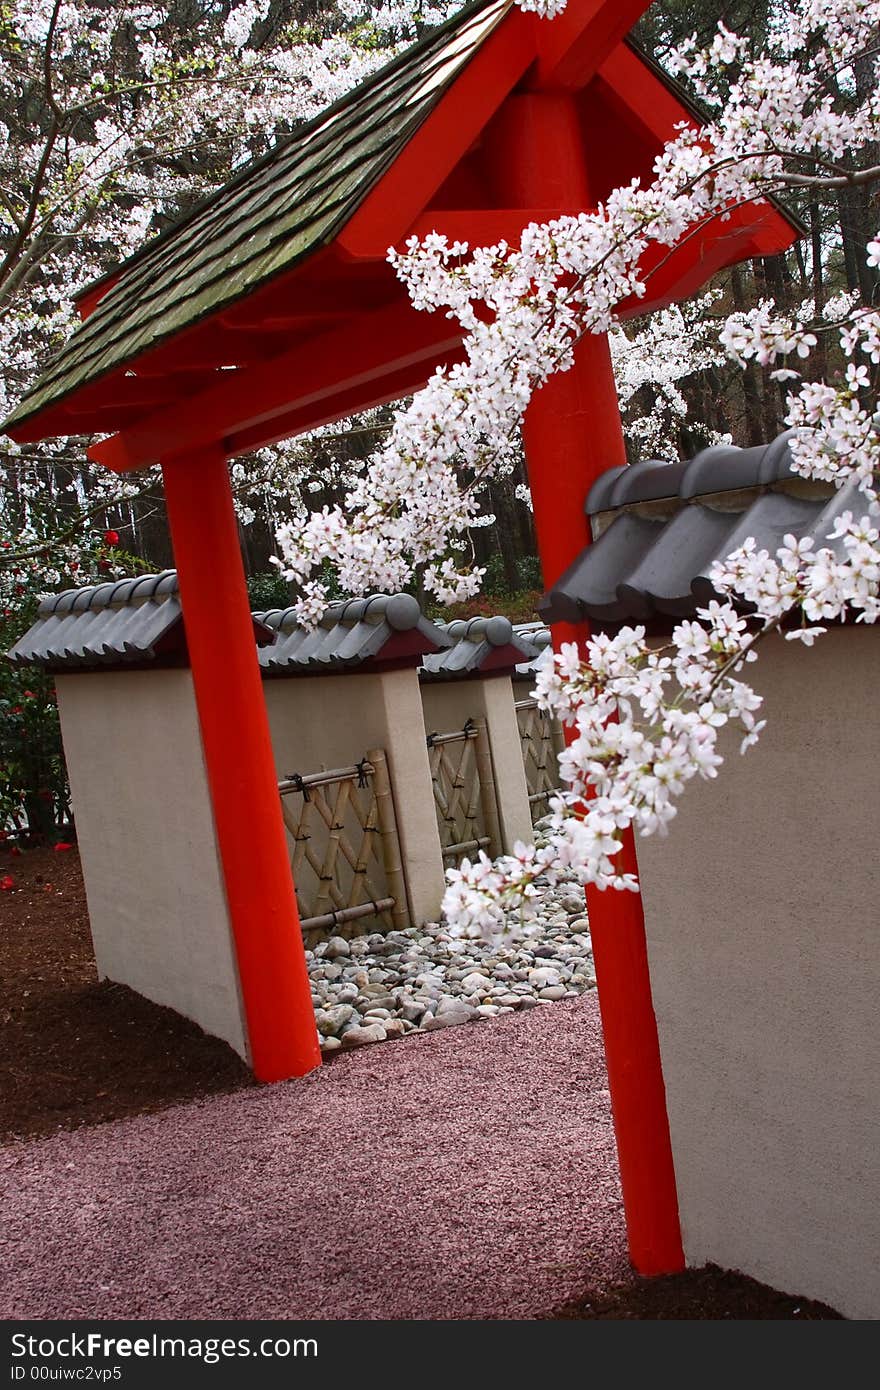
395	876
347	914
454	737
488	794
466	845
335	823
323	778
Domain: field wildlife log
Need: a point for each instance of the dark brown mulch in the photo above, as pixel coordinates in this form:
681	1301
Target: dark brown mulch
718	1294
72	1050
75	1052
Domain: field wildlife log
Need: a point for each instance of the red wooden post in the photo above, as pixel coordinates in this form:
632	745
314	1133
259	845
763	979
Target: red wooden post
572	434
240	767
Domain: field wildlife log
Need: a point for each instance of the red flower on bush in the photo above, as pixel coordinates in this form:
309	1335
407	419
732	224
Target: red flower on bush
111	537
62	845
6	882
29	694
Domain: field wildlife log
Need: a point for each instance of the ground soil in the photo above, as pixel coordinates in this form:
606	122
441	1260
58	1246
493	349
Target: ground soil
75	1052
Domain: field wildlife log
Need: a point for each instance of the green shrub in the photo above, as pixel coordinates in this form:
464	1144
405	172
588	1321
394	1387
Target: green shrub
34	790
34	794
268	590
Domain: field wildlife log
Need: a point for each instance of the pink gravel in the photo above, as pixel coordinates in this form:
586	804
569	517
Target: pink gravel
468	1173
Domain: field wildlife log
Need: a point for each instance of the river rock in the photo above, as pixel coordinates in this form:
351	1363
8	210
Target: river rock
337	946
330	1020
543	977
360	1037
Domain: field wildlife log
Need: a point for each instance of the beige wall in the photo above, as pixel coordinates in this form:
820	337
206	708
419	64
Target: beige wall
331	721
762	919
449	704
146	835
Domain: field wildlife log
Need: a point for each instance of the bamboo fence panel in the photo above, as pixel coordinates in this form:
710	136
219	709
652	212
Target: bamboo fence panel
464	791
542	742
346	857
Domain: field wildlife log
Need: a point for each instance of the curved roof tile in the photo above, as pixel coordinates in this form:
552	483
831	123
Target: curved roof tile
137	620
478	646
649	561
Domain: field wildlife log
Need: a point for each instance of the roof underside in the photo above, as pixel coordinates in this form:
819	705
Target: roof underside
272	309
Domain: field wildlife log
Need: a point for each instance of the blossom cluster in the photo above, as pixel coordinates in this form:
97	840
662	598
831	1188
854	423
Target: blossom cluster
643	721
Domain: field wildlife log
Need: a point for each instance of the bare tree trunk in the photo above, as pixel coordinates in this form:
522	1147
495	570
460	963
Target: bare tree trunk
505	529
819	359
750	376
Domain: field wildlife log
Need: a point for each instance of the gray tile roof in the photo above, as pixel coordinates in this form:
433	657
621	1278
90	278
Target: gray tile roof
382	629
274	213
137	621
658	528
127	620
538	636
478	646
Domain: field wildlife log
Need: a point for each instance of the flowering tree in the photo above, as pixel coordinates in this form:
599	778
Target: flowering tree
114	120
651	364
643	723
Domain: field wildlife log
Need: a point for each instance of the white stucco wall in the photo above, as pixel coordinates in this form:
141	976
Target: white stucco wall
154	886
449	704
331	721
762	919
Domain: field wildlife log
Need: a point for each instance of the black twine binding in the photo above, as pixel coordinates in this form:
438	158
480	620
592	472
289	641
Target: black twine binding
296	778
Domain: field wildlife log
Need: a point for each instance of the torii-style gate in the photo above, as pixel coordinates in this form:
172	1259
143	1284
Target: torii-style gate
271	309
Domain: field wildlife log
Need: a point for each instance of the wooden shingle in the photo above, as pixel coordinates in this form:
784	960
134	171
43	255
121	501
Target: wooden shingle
274	213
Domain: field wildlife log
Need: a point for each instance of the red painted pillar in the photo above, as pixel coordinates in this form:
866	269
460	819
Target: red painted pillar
572	433
240	766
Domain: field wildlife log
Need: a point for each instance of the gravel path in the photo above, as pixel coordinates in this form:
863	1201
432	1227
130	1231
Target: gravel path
467	1173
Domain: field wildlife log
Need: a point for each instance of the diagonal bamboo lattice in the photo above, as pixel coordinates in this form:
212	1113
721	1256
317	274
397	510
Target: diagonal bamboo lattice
346	850
464	791
542	742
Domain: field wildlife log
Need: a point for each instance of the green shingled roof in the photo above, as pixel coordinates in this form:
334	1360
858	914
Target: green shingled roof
274	212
